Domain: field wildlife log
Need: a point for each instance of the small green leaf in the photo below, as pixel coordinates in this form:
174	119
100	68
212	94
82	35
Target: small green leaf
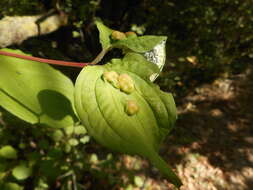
94	159
138	181
104	34
42	184
69	130
140	44
57	135
21	172
36	92
8	152
73	142
80	130
135	63
67	148
85	139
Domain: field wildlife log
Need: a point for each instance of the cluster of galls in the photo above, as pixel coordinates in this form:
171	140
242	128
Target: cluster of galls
124	83
117	35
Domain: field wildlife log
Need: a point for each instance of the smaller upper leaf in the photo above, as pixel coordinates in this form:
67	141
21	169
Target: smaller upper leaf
140	44
135	63
8	152
104	35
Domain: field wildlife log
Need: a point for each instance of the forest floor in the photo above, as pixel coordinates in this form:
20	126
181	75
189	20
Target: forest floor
212	145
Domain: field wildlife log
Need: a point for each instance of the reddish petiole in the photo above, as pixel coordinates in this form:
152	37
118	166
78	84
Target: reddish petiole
42	60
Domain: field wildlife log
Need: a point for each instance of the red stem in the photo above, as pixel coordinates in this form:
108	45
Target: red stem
50	61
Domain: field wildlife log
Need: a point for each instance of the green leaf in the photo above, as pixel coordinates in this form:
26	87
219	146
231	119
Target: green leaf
135	63
140	44
67	148
104	35
8	152
21	172
12	186
35	92
85	139
73	142
42	184
57	135
69	130
170	105
80	130
103	111
94	159
138	181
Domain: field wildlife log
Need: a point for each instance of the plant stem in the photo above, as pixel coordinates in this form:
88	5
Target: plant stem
42	60
100	56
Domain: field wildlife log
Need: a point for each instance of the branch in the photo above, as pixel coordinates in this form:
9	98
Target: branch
16	29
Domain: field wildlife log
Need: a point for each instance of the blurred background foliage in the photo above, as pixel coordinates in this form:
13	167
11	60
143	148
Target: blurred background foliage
206	40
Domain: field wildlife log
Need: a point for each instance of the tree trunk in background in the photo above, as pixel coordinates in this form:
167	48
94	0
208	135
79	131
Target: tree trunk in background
16	29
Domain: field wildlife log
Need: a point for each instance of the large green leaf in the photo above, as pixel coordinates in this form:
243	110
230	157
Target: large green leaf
134	128
35	92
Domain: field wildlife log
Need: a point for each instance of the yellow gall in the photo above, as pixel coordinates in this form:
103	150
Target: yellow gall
126	83
130	34
111	77
132	107
117	35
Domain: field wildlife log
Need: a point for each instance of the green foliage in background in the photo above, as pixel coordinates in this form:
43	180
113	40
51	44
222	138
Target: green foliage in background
206	39
31	156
